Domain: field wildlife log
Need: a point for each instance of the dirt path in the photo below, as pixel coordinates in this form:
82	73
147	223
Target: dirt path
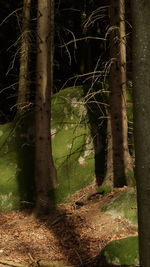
75	233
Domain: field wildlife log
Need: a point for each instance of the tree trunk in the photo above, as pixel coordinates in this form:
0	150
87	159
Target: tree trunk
141	94
109	176
24	58
45	173
122	163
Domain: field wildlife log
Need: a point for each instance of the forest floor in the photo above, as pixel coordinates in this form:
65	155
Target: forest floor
75	233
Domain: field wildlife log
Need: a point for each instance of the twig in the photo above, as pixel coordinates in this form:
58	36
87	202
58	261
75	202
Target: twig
81	39
11	263
9	16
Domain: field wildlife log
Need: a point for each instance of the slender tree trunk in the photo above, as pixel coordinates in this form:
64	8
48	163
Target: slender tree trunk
45	174
141	97
24	58
95	110
109	176
122	163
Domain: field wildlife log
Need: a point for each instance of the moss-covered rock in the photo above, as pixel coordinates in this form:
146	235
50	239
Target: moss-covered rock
71	141
72	151
8	168
16	164
122	252
104	189
123	205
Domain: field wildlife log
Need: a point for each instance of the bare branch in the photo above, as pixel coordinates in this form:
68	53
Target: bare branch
10	86
12	13
81	39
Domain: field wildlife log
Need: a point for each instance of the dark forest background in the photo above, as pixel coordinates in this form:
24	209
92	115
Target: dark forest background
73	20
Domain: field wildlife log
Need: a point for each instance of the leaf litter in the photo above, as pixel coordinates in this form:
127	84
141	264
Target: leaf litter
75	233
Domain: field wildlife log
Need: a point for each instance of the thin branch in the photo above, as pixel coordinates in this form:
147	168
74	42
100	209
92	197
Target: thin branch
10	86
94	16
76	77
12	63
81	39
15	11
11	263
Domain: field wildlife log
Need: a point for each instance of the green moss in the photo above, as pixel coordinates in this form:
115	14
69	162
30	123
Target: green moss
8	168
9	201
71	141
120	252
72	151
130	114
130	178
16	164
129	97
104	189
124	205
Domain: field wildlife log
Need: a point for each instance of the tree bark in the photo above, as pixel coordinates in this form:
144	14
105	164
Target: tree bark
24	58
109	176
141	96
45	173
122	162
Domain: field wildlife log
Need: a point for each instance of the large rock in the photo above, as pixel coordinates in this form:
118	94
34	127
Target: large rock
72	151
124	205
71	140
8	169
16	164
122	252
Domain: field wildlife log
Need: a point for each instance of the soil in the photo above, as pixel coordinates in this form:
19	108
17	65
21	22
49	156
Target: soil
75	233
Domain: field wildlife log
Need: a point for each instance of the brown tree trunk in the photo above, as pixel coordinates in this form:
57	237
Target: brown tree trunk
109	176
22	101
45	173
141	104
122	162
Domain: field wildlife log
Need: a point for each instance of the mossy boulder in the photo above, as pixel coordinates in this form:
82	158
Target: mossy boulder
122	252
16	164
8	169
104	189
71	141
72	151
124	205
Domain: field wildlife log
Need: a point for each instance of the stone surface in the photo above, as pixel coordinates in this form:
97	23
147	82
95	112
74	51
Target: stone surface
71	140
124	206
16	164
72	151
122	252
